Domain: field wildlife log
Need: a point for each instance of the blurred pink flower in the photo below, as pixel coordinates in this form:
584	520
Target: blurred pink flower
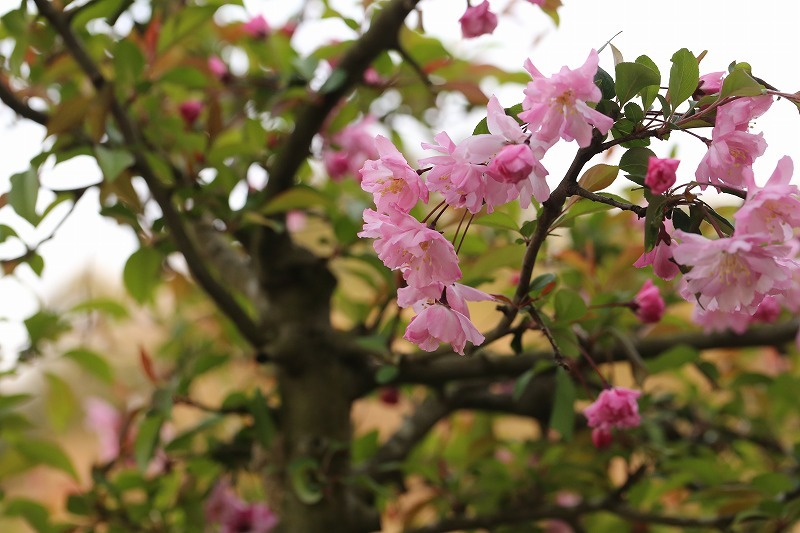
225	508
557	106
649	306
439	323
391	180
614	408
190	110
477	20
257	27
347	150
106	422
218	68
661	174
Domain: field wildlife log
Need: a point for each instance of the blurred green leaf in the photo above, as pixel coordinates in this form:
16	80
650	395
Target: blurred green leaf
112	162
142	273
23	194
60	404
562	418
91	362
569	305
147	439
45	453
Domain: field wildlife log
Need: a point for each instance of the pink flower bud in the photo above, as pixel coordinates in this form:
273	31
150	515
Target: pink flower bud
190	110
601	438
218	68
513	164
710	83
649	304
257	27
477	20
661	174
390	395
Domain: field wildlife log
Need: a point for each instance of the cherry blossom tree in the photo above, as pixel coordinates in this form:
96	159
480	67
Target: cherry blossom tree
456	287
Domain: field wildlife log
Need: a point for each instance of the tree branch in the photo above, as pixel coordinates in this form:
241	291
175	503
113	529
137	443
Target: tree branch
583	193
174	221
382	35
19	107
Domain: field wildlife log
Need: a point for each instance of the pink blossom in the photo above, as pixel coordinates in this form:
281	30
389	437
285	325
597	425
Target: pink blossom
190	110
218	68
257	27
614	408
391	180
734	273
537	2
710	83
721	321
347	150
772	210
661	174
296	220
106	422
768	310
225	508
661	255
390	395
730	156
439	323
557	106
477	20
423	255
649	306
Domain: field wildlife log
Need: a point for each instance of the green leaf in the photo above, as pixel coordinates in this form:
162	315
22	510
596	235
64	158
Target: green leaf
672	359
91	362
606	84
33	512
60	404
632	78
598	177
23	194
188	77
112	162
262	419
105	306
334	81
498	220
147	440
6	232
569	305
11	401
540	282
649	93
684	75
303	478
633	112
562	418
386	374
773	483
653	219
740	83
300	197
142	273
504	256
635	161
45	326
36	262
45	453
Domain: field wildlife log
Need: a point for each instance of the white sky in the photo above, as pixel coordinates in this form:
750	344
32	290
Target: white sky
763	34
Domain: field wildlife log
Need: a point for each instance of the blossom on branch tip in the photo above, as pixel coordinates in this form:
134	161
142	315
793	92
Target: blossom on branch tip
774	209
648	304
733	273
439	323
730	156
614	408
710	83
391	180
661	174
218	68
477	20
557	106
190	111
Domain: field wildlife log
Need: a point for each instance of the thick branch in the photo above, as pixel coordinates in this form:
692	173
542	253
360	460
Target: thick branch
382	35
174	221
18	106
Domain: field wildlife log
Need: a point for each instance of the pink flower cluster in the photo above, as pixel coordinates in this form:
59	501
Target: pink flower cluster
484	170
614	408
233	515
